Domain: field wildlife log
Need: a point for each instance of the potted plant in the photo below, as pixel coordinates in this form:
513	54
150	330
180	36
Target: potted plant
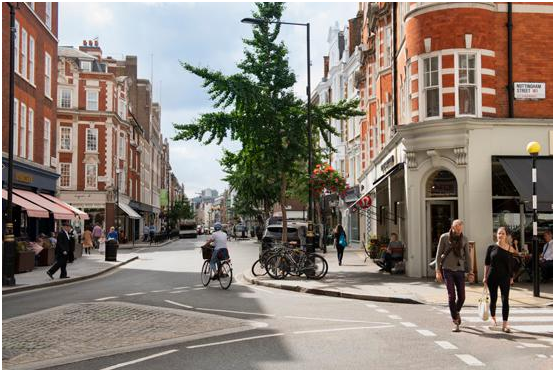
24	259
46	256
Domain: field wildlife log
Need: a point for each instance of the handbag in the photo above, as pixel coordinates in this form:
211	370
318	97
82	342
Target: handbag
443	256
483	305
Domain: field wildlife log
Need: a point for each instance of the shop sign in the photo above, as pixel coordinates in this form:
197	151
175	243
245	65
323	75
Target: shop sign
529	90
352	194
23	177
388	164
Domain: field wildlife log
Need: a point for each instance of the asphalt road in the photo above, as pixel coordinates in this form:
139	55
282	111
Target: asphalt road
294	330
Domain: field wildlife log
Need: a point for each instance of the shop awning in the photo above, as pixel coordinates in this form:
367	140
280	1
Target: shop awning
78	213
129	211
32	210
59	212
519	170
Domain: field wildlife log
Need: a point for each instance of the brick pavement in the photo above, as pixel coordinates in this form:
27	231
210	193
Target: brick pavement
81	331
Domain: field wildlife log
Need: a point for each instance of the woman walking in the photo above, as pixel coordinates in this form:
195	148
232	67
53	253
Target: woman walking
498	273
340	242
87	240
452	263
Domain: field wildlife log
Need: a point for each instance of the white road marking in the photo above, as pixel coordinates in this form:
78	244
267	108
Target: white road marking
236	340
396	317
141	359
446	345
371	305
105	298
513	311
520	347
199	285
425	332
342	329
235	312
408	324
470	360
333	320
179	291
197	289
178	304
382	311
546	328
159	290
541	356
514	319
134	294
182	287
526	344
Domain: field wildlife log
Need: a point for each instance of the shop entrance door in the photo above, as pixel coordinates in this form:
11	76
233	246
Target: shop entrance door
440	215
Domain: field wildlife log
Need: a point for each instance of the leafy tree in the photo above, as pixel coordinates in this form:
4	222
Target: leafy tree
257	107
179	211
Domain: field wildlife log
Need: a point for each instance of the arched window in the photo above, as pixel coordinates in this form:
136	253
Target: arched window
441	184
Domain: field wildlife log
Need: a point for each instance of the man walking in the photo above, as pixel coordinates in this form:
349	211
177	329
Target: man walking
61	251
546	258
96	234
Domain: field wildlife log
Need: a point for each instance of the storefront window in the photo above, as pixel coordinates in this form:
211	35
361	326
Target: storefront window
354	221
441	184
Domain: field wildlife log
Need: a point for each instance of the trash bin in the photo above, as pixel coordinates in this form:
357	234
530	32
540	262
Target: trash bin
111	250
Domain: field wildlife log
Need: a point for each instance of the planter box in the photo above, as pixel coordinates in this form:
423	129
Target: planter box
24	261
46	257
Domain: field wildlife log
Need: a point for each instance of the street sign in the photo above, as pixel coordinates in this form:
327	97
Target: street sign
529	90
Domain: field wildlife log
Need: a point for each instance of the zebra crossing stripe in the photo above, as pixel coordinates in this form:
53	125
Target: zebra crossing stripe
470	360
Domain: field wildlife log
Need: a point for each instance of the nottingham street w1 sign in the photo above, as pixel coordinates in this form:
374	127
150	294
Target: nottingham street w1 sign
530	90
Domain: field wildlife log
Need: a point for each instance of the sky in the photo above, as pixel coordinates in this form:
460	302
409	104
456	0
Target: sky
204	34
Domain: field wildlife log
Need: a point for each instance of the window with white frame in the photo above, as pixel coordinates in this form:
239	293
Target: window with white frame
92	100
31	130
46	159
65	98
387	47
65	174
31	59
92	139
389	118
16	126
47	75
121	148
86	66
23	129
24	49
16	47
48	15
121	108
467	84
65	138
91	176
431	86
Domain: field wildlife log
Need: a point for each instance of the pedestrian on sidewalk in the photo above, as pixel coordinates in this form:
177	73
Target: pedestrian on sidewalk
87	240
152	231
546	258
61	252
145	233
113	234
394	244
452	262
71	255
340	242
498	273
96	234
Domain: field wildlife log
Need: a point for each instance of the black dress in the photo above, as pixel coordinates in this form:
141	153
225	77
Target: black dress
500	273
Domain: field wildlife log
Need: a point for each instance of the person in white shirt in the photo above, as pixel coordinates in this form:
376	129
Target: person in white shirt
219	238
546	258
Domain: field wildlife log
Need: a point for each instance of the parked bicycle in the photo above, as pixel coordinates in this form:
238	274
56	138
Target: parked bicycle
295	261
225	270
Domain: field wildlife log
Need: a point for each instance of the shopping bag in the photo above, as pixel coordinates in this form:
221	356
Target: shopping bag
483	305
102	247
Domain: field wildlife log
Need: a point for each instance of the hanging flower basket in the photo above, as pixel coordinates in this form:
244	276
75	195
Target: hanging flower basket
325	179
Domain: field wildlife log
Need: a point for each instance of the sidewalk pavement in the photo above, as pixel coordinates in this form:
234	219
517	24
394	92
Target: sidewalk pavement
141	244
362	280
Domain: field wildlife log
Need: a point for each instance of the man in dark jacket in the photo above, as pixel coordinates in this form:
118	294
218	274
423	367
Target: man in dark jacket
62	252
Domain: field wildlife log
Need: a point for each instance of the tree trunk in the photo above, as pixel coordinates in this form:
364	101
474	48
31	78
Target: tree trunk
283	210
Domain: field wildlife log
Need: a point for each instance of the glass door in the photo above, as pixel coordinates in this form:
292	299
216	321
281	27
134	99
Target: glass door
441	214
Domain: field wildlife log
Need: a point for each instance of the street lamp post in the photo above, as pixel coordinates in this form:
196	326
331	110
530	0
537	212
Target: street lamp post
8	246
533	149
118	171
310	227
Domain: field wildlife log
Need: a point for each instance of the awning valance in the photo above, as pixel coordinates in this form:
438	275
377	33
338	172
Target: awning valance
78	213
32	210
519	170
59	212
129	211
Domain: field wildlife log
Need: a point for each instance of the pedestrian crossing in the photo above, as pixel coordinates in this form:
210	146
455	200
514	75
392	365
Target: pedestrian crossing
528	320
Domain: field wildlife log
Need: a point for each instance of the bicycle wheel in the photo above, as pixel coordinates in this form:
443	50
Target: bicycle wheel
316	264
277	266
258	268
205	273
226	275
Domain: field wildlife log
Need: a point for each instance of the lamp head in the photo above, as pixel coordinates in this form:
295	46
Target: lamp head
533	148
252	21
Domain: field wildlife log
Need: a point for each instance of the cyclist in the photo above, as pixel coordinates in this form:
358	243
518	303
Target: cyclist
219	238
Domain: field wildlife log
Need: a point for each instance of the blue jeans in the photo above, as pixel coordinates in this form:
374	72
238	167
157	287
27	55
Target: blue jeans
222	253
454	279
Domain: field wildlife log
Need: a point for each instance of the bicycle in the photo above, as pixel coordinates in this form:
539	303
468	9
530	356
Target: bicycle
294	261
225	270
259	266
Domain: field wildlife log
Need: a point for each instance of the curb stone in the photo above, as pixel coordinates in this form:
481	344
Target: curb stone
70	280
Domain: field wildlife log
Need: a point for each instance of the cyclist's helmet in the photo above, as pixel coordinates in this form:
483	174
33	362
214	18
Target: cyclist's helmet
217	226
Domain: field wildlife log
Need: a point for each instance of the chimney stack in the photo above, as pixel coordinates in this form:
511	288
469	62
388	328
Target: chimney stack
84	42
90	42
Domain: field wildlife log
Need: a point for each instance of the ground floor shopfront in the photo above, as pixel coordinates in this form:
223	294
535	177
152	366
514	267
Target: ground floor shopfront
434	172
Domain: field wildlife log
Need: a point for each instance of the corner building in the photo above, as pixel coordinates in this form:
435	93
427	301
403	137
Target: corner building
445	137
